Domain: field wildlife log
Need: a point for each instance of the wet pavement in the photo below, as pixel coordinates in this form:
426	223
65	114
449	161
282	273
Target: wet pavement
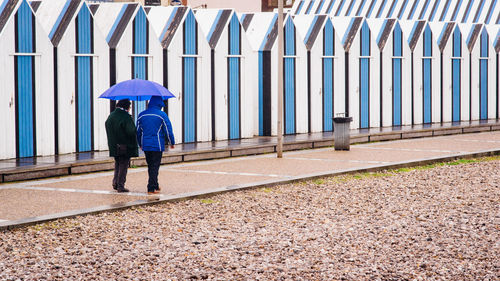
45	199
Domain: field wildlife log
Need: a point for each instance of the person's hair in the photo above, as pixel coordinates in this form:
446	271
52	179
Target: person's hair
125	104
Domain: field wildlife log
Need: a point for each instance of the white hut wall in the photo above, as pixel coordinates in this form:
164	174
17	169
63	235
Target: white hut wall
221	84
249	89
302	111
33	92
318	92
101	83
8	90
465	88
203	95
175	78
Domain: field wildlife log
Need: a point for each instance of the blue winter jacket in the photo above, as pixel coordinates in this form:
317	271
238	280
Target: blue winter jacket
154	127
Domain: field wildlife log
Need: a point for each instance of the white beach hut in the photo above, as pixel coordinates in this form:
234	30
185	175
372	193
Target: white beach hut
186	71
231	95
394	72
326	92
81	70
453	71
362	68
424	69
26	83
134	51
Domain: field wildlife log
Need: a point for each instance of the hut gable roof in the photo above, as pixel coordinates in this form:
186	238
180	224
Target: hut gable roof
445	35
497	42
56	15
351	32
35	5
415	34
474	33
314	29
93	8
385	32
245	20
270	36
166	22
217	20
7	7
113	19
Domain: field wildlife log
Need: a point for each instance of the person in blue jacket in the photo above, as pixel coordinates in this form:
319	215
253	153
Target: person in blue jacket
153	130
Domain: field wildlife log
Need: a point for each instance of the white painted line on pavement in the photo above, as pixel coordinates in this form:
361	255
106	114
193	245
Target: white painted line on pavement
228	173
3	220
411	149
339	160
70	190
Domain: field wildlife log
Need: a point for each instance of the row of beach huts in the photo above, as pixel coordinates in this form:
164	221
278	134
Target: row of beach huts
58	56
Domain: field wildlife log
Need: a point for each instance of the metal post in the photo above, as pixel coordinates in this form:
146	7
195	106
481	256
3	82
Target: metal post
279	148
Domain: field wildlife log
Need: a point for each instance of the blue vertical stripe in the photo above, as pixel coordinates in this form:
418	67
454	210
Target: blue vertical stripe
261	93
234	79
329	50
483	76
25	65
140	48
427	75
289	76
84	81
397	78
364	98
190	78
456	73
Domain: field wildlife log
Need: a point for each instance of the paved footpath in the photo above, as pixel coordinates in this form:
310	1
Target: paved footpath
38	200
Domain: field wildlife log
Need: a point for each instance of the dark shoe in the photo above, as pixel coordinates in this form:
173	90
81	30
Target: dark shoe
122	190
114	187
158	188
153	192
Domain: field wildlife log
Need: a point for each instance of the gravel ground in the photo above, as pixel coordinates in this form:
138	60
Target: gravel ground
426	224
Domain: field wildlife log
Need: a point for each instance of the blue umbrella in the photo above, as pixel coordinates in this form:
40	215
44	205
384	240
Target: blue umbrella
137	90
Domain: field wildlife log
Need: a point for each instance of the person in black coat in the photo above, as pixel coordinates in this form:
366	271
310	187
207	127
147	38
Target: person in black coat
122	142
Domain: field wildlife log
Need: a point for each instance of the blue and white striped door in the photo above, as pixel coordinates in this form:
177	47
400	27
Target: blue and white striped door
364	77
427	75
84	81
140	47
289	76
189	67
483	75
397	51
328	80
234	107
25	81
456	74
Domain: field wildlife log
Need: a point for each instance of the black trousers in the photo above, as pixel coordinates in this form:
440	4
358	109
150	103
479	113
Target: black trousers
121	167
153	158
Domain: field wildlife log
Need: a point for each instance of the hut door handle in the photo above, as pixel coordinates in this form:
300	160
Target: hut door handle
320	91
11	101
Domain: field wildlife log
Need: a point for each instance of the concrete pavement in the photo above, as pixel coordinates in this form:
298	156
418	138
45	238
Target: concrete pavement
33	201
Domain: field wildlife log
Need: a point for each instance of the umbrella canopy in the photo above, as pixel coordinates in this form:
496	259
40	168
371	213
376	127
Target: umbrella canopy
137	90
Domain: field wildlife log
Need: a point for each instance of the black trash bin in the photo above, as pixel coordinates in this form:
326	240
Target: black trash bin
341	128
